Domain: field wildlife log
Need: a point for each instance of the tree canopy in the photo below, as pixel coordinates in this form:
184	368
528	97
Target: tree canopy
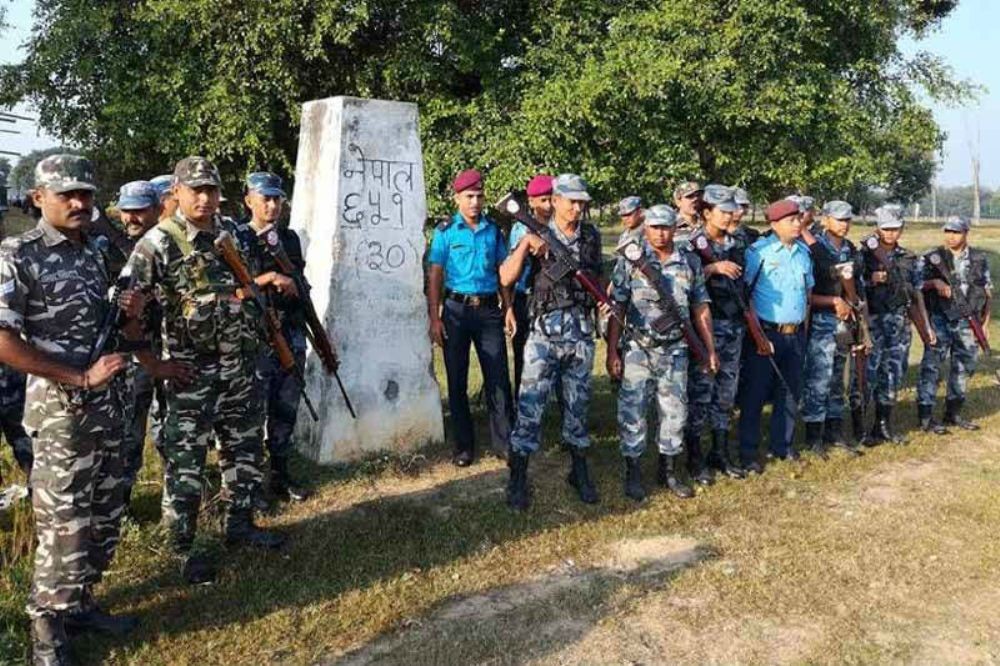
775	95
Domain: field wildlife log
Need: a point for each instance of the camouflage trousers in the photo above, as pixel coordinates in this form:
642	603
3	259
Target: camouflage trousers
662	371
280	392
886	365
221	404
545	360
957	342
823	376
12	414
711	398
143	405
77	494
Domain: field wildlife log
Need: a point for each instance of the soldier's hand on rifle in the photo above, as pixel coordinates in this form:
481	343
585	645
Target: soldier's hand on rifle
132	303
438	335
103	370
942	288
614	364
605	309
730	269
932	338
510	322
283	284
878	277
177	373
841	308
536	245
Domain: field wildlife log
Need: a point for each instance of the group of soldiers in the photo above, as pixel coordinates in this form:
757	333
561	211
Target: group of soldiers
143	322
703	315
157	322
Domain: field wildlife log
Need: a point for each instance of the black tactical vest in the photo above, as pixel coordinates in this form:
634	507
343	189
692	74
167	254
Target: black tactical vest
548	295
825	276
894	294
721	289
958	306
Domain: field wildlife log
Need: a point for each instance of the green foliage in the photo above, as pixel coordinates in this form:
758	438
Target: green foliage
22	177
775	95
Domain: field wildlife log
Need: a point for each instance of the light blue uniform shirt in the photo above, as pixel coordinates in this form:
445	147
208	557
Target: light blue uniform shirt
517	232
470	258
781	291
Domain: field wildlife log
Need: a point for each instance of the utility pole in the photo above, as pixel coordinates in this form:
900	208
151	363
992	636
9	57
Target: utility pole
974	155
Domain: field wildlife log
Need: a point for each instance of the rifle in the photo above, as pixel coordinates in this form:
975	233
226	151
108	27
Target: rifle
114	318
314	328
226	248
916	310
861	342
961	301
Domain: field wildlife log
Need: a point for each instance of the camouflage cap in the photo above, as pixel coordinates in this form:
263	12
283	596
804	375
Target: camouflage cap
629	205
889	216
957	223
721	197
197	172
838	210
163	184
741	197
571	186
137	195
265	183
687	189
805	203
661	215
65	173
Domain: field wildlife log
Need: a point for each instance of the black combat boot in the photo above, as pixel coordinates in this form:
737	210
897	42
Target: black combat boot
925	414
861	438
241	531
182	531
282	486
953	415
91	618
697	467
814	439
579	477
633	480
833	435
720	459
883	424
517	486
667	476
49	643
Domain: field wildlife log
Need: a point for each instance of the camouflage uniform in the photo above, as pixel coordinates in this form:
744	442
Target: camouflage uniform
206	325
651	357
52	291
970	273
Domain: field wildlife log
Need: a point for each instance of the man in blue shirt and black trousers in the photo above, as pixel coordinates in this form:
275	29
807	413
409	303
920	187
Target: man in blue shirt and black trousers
779	274
467	306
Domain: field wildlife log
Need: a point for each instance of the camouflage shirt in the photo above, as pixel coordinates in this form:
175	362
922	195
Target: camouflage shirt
203	318
53	292
681	273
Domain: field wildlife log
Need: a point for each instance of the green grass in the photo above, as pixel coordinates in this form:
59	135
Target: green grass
387	542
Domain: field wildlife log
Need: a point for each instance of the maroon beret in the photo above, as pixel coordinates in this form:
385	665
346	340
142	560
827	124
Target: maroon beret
779	210
467	180
539	186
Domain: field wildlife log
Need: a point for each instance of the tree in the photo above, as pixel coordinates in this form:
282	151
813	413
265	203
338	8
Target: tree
776	95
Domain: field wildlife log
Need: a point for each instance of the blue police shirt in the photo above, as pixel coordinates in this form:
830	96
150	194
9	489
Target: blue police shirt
469	258
517	232
781	278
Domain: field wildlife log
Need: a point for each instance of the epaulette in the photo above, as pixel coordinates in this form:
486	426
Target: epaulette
443	225
29	236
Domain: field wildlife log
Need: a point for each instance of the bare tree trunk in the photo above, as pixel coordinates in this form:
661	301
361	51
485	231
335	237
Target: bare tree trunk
974	153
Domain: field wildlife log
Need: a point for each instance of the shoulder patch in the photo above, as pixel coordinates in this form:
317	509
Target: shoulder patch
443	225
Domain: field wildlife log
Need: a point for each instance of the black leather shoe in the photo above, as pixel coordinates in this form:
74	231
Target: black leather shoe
49	643
241	531
633	480
953	415
753	467
517	486
883	425
199	569
462	459
283	488
579	478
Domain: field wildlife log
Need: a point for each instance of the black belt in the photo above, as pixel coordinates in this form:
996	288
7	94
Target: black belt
782	329
474	300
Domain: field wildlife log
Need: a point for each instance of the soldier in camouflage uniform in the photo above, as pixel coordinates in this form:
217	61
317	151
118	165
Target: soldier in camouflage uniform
687	200
212	337
53	285
631	213
737	228
139	206
826	360
711	397
280	389
889	294
969	274
561	342
657	357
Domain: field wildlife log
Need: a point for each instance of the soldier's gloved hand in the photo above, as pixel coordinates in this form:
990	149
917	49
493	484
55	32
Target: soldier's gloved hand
841	308
175	372
101	372
510	322
133	302
614	365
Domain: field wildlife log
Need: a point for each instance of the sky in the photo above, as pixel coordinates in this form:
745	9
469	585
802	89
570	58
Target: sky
964	40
